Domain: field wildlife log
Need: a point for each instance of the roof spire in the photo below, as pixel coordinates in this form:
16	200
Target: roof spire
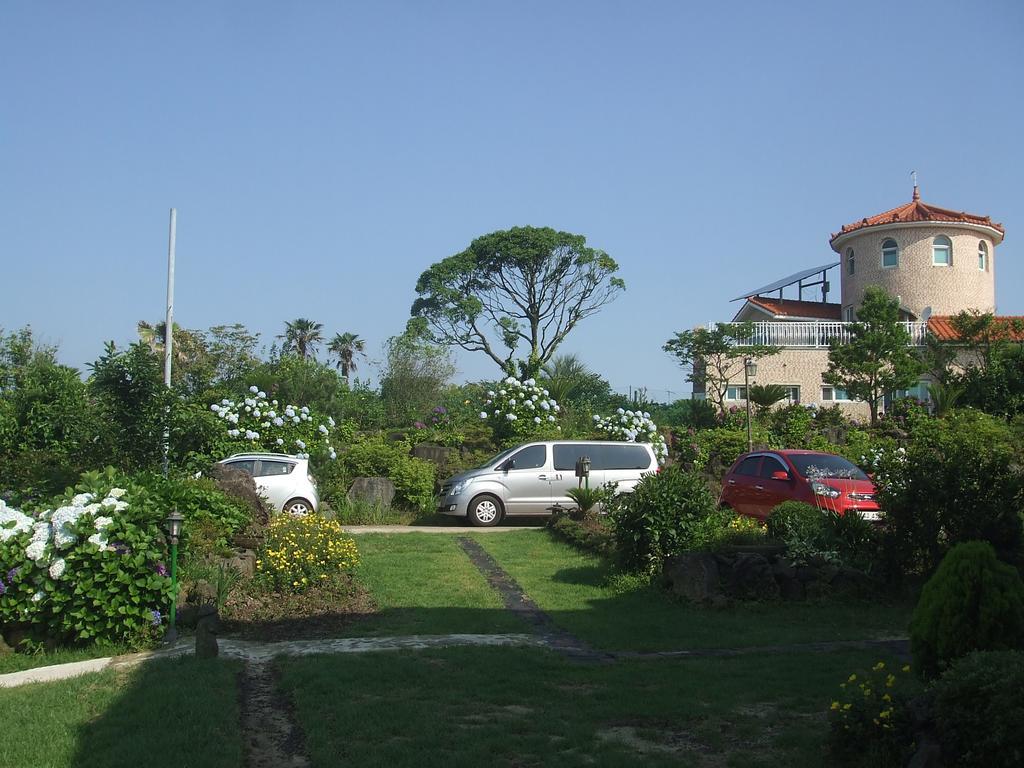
917	194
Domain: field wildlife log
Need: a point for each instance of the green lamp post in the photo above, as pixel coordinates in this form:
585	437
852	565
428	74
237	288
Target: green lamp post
174	521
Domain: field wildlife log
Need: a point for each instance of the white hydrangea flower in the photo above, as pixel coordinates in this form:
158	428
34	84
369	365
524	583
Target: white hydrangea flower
36	551
99	540
483	414
117	493
102	522
38	596
57	568
254	389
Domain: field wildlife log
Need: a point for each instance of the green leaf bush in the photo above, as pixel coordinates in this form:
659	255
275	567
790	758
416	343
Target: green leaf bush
805	530
973	602
90	566
958	479
212	516
977	706
667	513
413	478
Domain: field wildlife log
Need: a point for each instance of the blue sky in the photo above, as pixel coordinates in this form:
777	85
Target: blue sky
321	155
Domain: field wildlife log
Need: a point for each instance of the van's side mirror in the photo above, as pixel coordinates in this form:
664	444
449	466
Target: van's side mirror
507	465
780	475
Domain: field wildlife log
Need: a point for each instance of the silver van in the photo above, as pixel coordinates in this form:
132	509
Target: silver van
529	479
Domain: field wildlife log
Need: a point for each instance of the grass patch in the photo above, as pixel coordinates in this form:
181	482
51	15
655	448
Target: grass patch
16	662
580	593
528	707
426	584
180	712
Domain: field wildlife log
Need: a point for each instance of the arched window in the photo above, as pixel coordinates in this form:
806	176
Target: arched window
942	251
982	256
890	253
851	265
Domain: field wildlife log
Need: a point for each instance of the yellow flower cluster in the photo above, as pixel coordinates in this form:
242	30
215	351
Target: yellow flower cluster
867	701
744	524
300	551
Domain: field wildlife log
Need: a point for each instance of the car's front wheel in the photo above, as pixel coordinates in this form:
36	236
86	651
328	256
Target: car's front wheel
485	510
298	507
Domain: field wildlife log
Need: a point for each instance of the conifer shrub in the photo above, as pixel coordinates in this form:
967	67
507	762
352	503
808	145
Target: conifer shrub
977	704
973	602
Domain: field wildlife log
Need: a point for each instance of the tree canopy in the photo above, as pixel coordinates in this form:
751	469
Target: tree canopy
521	289
877	359
715	356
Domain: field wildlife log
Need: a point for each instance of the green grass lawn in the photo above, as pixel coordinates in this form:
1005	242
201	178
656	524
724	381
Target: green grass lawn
528	707
572	587
425	584
176	713
16	662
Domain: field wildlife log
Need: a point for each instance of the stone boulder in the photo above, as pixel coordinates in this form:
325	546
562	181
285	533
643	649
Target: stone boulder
238	483
243	561
377	491
748	576
435	454
694	576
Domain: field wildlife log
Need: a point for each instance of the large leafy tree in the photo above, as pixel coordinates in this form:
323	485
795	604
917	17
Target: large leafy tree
878	358
301	337
515	295
345	347
715	356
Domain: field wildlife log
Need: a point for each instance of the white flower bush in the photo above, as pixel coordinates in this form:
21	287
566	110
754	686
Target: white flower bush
265	424
633	427
520	410
88	566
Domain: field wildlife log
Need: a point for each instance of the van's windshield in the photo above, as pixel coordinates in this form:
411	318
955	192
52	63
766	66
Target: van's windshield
501	456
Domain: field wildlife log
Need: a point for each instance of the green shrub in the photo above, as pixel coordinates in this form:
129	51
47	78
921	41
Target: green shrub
959	479
212	516
977	705
805	530
722	446
973	602
90	566
588	535
855	540
303	550
413	478
665	514
869	721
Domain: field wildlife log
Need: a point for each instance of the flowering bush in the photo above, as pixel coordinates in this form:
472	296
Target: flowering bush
300	551
439	427
869	720
520	410
88	567
262	424
633	427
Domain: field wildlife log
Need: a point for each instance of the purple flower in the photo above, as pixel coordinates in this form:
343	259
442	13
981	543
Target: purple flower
12	573
420	425
440	409
157	617
160	569
2	588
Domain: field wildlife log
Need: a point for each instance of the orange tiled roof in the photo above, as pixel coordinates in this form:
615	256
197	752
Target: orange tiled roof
915	210
941	327
794	308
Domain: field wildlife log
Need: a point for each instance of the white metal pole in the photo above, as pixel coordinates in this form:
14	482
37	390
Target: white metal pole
169	328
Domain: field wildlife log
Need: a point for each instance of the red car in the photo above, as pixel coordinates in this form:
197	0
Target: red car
761	480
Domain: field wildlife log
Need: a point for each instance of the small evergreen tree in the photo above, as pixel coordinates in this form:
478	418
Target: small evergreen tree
877	359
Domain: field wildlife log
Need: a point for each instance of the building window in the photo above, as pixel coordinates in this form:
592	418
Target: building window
890	254
834	395
792	393
919	392
942	251
982	256
848	315
851	264
736	393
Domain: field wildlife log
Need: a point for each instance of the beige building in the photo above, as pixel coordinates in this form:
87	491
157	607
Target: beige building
936	261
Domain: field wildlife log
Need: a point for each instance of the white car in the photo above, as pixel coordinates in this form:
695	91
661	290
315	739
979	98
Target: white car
284	480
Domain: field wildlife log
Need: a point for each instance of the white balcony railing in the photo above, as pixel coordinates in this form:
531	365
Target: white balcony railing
815	333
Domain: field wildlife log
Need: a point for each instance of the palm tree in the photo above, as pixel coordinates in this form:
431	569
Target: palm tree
345	347
764	396
568	379
302	337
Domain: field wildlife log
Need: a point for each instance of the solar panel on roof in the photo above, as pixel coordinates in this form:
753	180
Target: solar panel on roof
787	281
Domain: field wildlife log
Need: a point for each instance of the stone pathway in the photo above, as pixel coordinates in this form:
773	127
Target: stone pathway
455	529
271	737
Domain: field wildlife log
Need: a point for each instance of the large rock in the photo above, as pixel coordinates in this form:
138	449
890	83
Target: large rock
748	576
378	491
693	575
243	561
435	454
240	484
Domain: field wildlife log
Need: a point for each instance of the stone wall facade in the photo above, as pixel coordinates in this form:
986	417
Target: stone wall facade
922	287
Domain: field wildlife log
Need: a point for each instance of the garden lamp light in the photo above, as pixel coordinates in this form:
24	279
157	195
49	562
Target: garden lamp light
749	371
174	521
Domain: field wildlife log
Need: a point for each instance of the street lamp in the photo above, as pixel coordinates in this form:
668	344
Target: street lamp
583	470
749	371
174	521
